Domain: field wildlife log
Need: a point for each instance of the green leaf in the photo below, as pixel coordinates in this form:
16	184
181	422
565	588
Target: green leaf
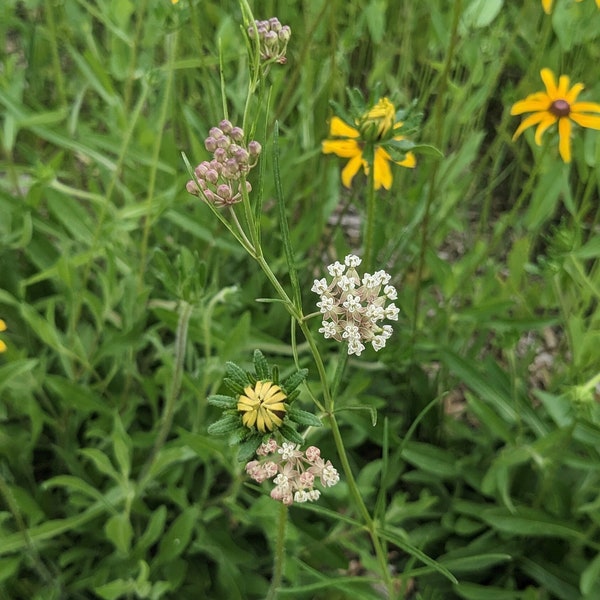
221	401
590	576
261	366
234	385
236	374
473	591
177	537
247	449
303	417
416	553
431	459
294	380
9	566
530	522
224	425
480	13
118	530
101	462
291	434
153	530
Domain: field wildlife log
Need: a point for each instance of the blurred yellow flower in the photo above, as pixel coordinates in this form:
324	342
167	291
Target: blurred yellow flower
556	104
263	406
174	1
376	126
547	5
2	328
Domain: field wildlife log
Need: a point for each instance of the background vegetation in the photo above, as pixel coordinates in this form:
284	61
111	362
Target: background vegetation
485	454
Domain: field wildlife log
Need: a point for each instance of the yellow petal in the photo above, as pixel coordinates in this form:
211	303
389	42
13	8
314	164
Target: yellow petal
382	174
585	107
249	418
351	169
339	128
550	82
563	87
410	161
260	421
589	121
598	3
2	346
564	133
530	121
547	6
2	325
533	103
549	119
343	148
571	95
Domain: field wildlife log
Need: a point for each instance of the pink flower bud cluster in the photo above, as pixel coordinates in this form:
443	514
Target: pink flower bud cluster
221	179
352	306
293	472
273	39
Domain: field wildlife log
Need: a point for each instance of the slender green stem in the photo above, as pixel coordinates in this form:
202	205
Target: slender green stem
360	504
279	558
181	336
370	223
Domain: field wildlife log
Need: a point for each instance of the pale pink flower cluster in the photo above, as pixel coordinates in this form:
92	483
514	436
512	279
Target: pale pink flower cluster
353	307
221	178
293	472
273	39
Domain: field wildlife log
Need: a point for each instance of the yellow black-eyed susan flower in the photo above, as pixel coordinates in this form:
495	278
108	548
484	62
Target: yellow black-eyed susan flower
375	127
558	104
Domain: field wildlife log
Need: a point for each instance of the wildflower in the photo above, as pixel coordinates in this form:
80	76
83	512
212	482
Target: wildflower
262	405
375	128
222	179
293	472
547	5
273	38
2	344
556	105
353	307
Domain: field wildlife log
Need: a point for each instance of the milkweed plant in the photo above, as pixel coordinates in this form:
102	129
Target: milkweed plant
261	414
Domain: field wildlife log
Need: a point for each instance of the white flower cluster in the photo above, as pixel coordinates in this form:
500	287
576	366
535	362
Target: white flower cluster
293	471
352	306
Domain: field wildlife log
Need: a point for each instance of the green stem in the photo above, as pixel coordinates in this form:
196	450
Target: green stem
185	313
370	223
360	504
279	558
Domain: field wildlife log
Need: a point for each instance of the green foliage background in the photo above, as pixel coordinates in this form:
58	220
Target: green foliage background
485	452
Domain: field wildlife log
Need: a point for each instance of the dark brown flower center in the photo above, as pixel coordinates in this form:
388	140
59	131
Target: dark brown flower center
560	108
